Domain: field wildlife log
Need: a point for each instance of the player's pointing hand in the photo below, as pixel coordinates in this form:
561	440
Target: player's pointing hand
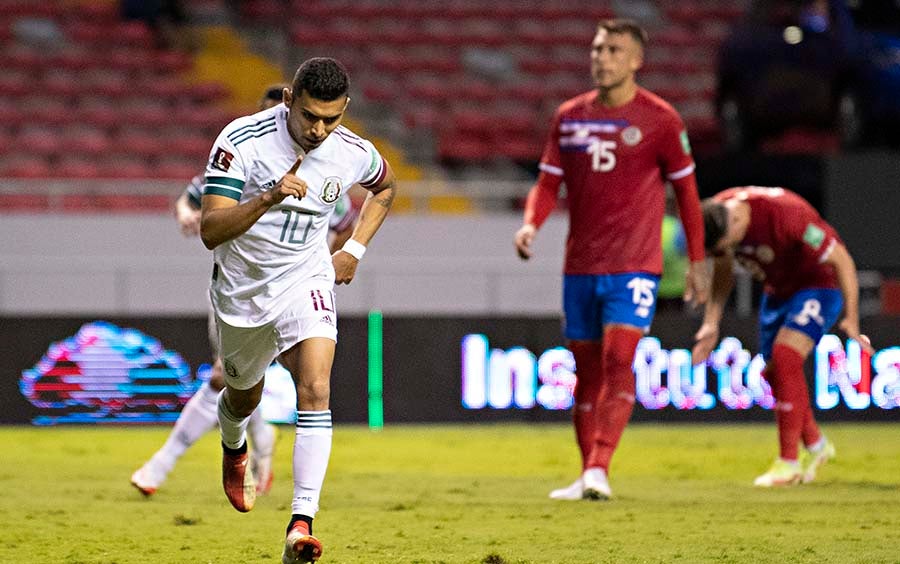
289	185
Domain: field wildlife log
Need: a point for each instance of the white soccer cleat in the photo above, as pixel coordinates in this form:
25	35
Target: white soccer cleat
596	485
782	473
815	459
572	492
262	469
261	466
146	481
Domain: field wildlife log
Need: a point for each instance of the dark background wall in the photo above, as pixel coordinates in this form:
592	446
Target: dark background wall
422	363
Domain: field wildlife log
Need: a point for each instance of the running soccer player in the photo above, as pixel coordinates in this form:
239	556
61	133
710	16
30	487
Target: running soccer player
809	277
613	147
198	416
272	182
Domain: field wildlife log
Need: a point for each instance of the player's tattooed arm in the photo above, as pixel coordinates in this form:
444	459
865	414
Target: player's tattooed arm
385	193
371	216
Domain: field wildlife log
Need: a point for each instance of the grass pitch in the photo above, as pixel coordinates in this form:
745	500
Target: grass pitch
457	494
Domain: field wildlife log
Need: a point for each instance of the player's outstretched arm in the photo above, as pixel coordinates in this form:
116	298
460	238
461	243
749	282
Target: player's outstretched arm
372	214
223	219
707	337
845	268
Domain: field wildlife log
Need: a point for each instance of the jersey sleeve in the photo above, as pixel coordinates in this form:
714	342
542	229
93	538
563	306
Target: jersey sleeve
373	168
815	238
551	161
226	171
194	191
675	156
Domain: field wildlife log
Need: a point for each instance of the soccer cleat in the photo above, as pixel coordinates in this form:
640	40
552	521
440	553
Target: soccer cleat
596	485
572	492
262	466
144	480
781	473
300	546
237	480
814	460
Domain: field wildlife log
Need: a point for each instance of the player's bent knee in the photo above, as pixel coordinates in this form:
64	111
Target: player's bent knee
313	393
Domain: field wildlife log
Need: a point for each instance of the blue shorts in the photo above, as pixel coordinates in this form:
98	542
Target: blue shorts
811	311
591	301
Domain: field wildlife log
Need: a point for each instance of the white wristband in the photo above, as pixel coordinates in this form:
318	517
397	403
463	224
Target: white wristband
354	248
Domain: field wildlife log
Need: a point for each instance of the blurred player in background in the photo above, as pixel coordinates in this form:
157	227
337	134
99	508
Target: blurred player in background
809	276
273	181
199	415
613	147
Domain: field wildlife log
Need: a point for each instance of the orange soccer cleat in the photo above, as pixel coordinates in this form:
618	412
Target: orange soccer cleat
300	546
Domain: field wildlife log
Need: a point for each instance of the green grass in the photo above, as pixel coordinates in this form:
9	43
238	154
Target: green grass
457	494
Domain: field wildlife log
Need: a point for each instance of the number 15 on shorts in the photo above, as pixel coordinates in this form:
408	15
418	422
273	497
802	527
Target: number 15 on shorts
642	295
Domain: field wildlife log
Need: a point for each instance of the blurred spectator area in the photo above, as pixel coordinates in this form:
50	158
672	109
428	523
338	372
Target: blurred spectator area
85	94
481	79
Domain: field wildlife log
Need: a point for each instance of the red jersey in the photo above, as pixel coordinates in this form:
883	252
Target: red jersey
787	241
614	162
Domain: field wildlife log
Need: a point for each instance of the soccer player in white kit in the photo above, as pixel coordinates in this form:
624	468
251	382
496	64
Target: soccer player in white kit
272	181
200	414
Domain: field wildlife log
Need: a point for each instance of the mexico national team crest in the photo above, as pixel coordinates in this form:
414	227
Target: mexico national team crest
331	191
631	135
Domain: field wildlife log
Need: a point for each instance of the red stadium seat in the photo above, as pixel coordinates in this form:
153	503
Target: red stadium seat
19	203
31	166
39	142
73	167
180	169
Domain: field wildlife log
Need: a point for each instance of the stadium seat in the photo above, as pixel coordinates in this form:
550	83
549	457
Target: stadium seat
179	169
20	203
76	167
27	166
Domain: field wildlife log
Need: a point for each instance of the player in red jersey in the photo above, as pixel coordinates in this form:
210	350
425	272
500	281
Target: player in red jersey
614	148
809	276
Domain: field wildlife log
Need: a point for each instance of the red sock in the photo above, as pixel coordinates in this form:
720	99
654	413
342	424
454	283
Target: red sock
785	374
588	369
810	433
616	400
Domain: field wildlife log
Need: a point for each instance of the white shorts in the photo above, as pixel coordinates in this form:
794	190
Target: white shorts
248	351
211	330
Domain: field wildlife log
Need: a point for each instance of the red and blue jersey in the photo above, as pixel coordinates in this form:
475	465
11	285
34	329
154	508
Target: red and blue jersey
787	241
614	162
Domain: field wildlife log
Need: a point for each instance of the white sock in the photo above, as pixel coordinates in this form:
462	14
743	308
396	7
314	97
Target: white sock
818	445
197	418
312	448
232	427
262	437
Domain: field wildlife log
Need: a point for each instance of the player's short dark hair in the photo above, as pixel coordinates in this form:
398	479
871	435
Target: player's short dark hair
715	222
322	78
627	26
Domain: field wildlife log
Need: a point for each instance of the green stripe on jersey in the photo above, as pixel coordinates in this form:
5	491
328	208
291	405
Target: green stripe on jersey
212	190
256	126
225	181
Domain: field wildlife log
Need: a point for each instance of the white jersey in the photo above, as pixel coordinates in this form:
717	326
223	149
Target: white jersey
342	218
255	273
